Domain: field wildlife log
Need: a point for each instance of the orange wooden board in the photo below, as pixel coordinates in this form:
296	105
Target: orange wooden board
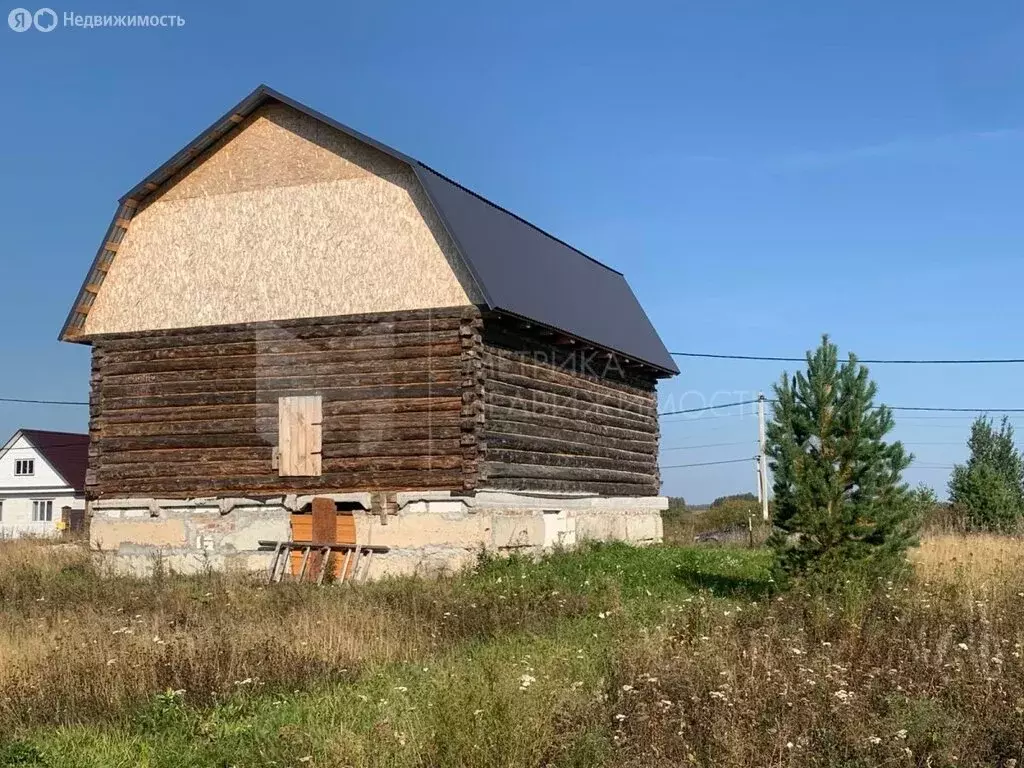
302	531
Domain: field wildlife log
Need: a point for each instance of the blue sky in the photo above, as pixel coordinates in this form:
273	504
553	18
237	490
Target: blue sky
762	172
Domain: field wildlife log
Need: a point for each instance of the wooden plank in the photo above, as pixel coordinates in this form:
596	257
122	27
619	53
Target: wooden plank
324	524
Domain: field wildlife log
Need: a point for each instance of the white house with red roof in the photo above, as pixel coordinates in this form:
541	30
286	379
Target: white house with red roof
41	472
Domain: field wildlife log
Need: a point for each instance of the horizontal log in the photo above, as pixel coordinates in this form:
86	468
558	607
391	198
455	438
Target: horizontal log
258	362
541	407
503	360
242	398
499	440
324	329
498	332
282	347
424	406
496	415
340	482
264	426
170	456
572	461
515	428
173	456
467	312
344	428
201	470
493	469
438	447
372	434
515	385
300	380
317	367
109	445
564	486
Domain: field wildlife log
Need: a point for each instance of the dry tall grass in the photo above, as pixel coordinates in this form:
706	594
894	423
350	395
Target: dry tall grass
976	558
78	645
691	662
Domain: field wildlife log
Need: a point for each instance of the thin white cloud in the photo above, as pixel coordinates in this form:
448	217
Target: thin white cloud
898	148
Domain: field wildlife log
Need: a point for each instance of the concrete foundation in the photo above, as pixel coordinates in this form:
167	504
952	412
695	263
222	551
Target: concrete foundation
429	533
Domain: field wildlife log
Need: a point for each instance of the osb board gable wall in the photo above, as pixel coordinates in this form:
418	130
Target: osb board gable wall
286	218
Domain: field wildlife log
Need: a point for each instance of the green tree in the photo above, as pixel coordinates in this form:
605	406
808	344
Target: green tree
839	495
989	488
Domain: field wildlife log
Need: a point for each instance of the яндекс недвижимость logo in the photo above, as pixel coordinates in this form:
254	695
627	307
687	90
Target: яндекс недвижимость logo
22	19
46	20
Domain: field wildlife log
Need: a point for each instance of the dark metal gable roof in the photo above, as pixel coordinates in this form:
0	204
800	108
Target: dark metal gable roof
519	268
66	452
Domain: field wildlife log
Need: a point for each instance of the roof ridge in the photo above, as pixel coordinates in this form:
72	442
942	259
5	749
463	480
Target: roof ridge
516	216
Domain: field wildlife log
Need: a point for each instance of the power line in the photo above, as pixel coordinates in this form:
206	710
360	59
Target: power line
706	408
953	410
876	361
712	417
708	445
705	463
40	402
936	409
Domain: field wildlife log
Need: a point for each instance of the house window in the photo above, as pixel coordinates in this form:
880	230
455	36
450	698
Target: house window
25	467
42	510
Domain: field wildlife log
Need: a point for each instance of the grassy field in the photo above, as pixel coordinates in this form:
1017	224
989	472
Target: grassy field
611	656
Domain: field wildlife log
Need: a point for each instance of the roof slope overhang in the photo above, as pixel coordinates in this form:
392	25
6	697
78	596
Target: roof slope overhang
519	268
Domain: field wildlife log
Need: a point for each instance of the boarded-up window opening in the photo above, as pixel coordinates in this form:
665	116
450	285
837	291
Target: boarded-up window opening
299	436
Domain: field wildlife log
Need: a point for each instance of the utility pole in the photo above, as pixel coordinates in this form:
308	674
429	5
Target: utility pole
762	460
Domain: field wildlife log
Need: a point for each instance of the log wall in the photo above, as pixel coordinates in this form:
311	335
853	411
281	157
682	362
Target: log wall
562	419
193	412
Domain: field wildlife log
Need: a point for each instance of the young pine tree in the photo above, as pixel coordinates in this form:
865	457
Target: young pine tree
989	489
839	497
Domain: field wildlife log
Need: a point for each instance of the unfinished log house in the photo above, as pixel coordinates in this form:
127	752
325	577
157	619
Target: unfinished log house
288	309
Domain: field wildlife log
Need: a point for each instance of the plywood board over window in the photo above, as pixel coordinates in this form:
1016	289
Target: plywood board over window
299	435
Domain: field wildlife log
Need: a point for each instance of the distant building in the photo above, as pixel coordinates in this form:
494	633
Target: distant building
40	473
289	309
